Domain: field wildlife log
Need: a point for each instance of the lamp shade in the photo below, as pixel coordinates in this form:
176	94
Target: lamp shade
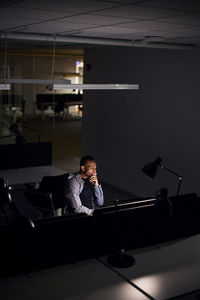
150	169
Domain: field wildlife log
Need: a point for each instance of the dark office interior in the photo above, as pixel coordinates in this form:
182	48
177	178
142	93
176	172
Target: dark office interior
144	242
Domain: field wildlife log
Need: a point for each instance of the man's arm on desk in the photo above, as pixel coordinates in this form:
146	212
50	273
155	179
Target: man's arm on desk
99	195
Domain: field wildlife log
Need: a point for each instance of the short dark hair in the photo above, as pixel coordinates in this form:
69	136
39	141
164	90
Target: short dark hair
85	159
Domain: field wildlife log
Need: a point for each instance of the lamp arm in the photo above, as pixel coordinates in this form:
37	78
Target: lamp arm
177	175
172	172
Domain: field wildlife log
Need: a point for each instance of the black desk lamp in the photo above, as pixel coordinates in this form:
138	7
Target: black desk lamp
120	259
150	170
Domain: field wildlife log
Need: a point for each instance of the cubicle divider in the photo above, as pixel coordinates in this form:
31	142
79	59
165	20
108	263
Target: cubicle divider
25	155
71	238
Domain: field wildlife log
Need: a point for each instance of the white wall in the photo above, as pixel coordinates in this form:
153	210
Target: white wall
126	129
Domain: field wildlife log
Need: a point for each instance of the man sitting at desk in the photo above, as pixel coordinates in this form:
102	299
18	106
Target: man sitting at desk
84	190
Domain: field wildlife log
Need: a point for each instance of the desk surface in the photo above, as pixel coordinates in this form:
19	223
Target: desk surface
30	174
160	273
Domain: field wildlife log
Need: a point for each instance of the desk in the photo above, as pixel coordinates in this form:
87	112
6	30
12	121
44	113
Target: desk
67	104
29	174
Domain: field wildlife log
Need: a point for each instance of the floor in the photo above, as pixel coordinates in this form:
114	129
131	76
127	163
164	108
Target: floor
164	272
168	271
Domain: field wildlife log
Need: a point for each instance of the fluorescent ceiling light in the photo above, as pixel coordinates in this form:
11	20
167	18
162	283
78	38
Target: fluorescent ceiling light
36	81
4	87
93	86
64	84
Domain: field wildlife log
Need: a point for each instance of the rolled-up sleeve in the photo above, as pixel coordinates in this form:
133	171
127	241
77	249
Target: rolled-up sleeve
99	197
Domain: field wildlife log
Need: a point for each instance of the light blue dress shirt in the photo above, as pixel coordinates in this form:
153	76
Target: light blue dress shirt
76	184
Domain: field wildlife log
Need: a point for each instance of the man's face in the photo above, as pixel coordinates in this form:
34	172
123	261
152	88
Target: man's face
89	168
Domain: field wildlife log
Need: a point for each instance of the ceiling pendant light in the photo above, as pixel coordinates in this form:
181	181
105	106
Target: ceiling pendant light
5	87
86	86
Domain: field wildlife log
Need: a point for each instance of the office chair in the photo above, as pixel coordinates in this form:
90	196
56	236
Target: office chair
3	191
15	229
5	215
58	108
14	210
57	186
3	183
38	205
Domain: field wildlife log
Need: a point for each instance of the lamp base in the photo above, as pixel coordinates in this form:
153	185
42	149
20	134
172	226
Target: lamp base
121	260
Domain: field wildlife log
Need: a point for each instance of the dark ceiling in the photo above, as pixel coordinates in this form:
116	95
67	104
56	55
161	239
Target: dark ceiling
80	23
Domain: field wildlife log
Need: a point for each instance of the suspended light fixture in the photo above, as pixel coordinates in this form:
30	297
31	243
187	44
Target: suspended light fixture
60	84
34	81
93	86
56	86
5	87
